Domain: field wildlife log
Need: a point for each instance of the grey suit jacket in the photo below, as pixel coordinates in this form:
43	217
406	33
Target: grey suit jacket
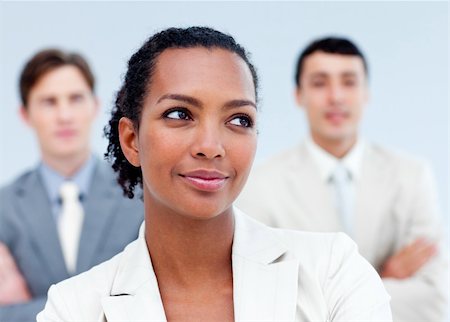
29	230
395	204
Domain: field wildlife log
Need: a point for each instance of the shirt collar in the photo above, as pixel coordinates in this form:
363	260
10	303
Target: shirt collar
53	180
327	162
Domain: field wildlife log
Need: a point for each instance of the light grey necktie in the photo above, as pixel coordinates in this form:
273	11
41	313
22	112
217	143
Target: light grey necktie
70	223
341	181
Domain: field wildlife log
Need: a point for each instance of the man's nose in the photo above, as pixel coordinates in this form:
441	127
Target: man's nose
65	111
336	94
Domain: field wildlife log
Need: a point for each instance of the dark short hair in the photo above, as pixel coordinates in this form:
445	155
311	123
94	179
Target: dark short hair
330	45
135	87
48	60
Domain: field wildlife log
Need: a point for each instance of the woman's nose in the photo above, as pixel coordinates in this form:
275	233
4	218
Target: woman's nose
208	143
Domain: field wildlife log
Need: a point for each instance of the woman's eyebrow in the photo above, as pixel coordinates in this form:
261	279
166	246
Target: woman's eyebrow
183	98
197	103
239	103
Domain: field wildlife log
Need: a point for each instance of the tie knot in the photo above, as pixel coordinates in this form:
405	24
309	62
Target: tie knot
340	174
69	191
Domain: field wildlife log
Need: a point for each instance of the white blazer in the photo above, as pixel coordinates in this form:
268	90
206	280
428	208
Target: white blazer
395	204
278	275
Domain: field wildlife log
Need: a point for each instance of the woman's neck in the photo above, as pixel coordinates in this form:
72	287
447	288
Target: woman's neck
186	251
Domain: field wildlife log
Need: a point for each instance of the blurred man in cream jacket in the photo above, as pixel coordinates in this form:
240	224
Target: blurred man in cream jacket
336	181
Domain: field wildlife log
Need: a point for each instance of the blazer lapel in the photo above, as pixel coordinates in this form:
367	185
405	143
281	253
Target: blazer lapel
135	293
311	192
133	308
374	188
36	210
99	209
265	284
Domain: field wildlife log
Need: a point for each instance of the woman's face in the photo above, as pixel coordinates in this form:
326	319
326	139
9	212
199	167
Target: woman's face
197	135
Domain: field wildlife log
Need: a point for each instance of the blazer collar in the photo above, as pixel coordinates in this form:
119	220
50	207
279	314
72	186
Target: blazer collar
100	208
308	190
376	180
326	163
35	212
264	279
134	294
255	241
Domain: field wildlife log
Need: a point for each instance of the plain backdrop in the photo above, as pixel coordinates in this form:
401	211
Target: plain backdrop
406	44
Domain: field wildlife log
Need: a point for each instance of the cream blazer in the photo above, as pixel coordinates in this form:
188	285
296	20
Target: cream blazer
278	275
396	203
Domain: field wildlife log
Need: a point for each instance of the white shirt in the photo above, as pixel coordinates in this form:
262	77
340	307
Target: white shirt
326	162
342	191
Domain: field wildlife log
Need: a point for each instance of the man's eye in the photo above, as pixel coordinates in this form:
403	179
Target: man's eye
77	98
350	83
242	120
177	115
48	102
318	84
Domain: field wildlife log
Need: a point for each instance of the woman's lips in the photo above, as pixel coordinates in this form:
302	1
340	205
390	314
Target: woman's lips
205	180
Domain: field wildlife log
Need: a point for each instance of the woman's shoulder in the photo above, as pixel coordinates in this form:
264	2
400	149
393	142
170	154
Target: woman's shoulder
334	280
319	252
316	252
297	242
301	243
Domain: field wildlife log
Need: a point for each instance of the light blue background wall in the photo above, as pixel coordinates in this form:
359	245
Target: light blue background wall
406	44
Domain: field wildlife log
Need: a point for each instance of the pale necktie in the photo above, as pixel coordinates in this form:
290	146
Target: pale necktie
70	223
341	181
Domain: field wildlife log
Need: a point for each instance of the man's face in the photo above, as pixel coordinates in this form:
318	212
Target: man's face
61	108
333	91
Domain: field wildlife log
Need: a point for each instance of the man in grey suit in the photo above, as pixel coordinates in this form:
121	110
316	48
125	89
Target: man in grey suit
58	103
337	181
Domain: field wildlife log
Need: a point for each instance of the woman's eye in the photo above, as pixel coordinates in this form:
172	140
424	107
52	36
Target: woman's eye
177	115
242	120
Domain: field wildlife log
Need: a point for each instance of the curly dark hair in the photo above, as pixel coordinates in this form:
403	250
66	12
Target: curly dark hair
141	66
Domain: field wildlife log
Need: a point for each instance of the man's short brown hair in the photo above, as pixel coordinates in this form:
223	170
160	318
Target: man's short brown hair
47	60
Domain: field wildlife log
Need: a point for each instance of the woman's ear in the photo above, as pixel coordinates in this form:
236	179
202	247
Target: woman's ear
129	141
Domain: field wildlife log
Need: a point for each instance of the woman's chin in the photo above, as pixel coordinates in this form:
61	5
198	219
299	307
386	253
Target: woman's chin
204	212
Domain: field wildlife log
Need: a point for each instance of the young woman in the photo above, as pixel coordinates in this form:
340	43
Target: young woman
184	129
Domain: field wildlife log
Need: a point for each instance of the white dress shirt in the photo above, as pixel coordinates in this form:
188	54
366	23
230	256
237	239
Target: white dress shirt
328	165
